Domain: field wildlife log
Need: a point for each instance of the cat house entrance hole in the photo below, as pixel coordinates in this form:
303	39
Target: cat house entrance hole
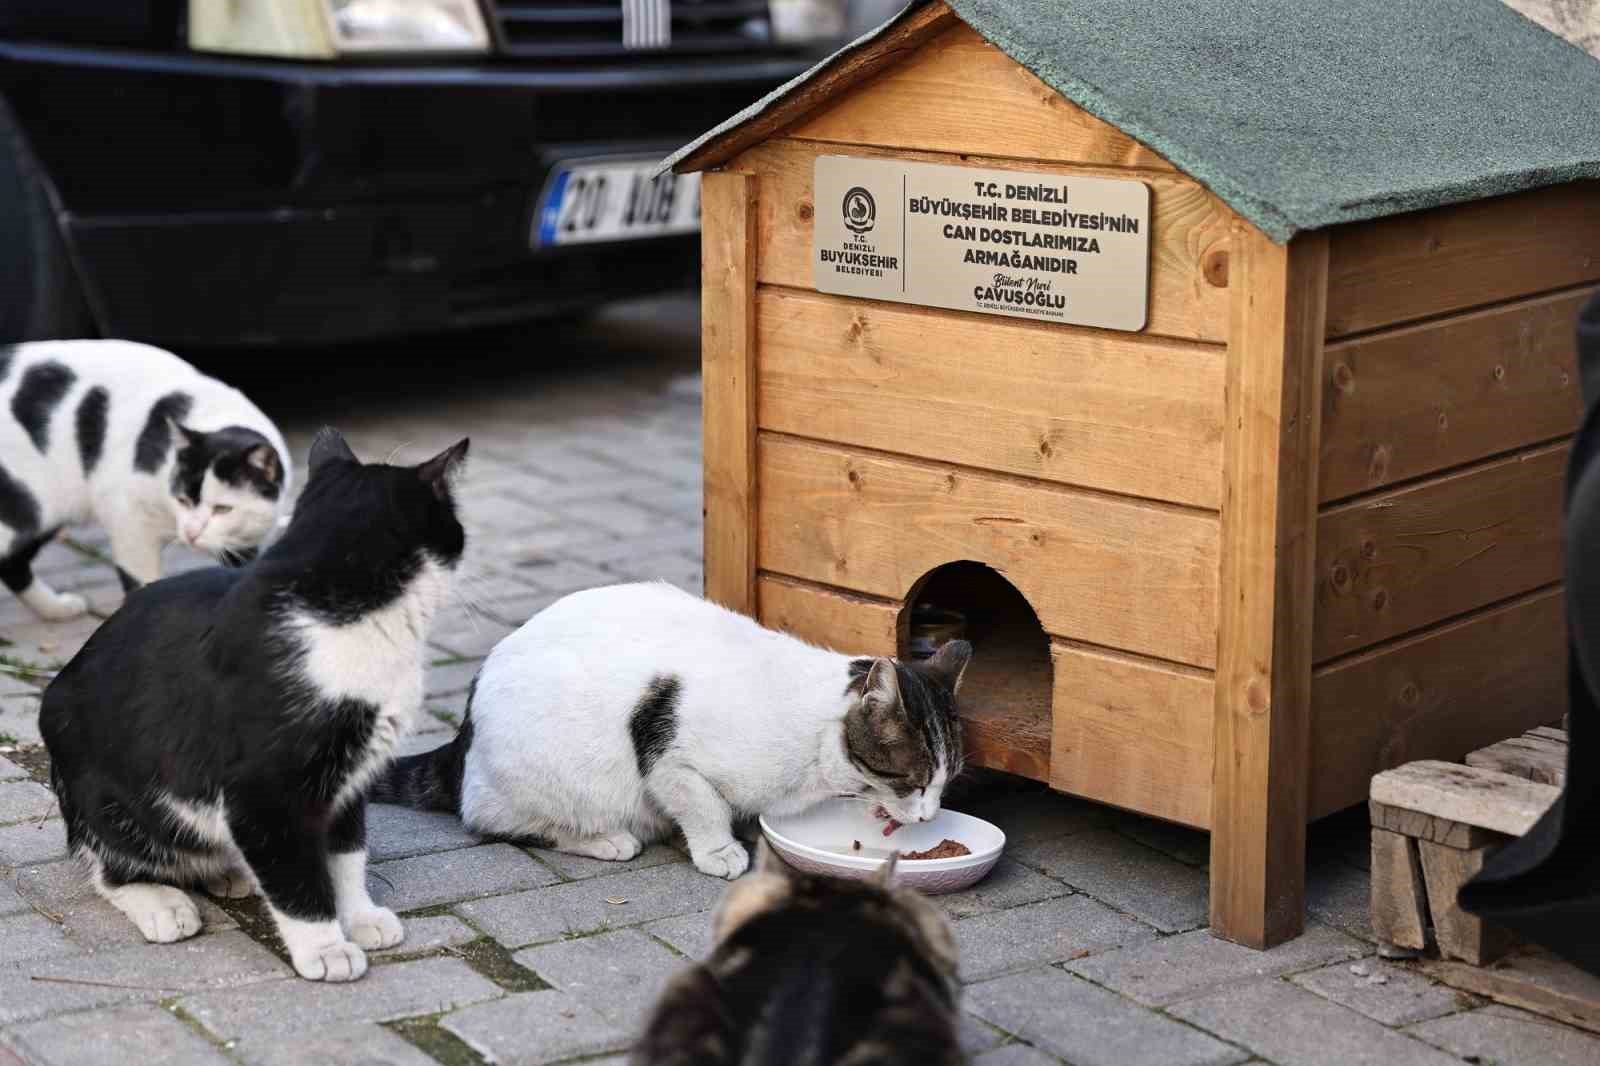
1005	695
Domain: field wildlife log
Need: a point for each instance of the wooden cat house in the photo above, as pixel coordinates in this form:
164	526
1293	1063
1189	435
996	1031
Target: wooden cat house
1212	362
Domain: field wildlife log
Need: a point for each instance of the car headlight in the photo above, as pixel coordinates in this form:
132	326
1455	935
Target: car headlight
798	21
326	29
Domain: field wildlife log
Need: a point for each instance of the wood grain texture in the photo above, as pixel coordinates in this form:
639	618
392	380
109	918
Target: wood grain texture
1399	899
1405	559
1460	935
1421	826
1411	266
1108	571
1531	979
829	618
927	102
1538	759
1263	682
727	353
1133	733
1470	795
1188	241
1408	402
1436	695
1084	407
893	46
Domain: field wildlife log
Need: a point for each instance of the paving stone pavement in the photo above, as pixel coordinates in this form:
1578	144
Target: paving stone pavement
1086	945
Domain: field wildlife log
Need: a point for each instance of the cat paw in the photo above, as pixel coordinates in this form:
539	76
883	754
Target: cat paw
339	961
164	915
59	606
728	861
374	929
235	884
612	847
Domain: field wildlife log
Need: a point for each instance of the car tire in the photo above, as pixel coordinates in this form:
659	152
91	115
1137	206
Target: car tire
39	294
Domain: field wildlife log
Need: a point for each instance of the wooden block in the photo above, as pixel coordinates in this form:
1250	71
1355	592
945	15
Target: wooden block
1188	239
1100	569
1460	935
1533	980
1399	900
1006	702
1134	733
1407	402
1550	732
1436	695
1421	826
1453	792
727	353
926	102
1084	407
829	618
1406	559
1263	676
1535	758
848	69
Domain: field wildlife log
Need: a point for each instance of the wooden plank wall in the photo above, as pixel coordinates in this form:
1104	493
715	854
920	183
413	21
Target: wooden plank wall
892	440
1450	391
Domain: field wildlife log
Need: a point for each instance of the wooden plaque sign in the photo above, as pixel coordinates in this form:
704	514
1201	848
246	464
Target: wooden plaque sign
1002	242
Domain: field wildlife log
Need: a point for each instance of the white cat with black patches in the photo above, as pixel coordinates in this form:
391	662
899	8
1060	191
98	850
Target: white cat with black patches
136	439
619	713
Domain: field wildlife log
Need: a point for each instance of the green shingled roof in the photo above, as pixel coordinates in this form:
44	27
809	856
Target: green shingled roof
1308	113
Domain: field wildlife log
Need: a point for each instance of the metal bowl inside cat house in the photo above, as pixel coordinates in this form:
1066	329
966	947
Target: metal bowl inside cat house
841	838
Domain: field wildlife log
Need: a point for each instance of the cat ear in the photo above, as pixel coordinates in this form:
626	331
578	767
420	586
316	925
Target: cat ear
264	458
443	468
329	446
882	686
950	663
884	878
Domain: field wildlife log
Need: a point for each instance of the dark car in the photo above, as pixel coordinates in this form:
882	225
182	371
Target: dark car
292	171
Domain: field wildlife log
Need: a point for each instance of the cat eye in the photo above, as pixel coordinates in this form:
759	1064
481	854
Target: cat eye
186	501
221	508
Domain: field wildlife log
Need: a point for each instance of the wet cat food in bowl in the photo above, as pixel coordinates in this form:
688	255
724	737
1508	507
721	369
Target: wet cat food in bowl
841	837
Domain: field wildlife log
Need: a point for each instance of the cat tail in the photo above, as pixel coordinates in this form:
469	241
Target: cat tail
430	781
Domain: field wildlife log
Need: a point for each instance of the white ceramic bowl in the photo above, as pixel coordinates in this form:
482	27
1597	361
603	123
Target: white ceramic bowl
819	841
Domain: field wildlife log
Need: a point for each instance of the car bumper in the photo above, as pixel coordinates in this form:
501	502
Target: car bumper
218	200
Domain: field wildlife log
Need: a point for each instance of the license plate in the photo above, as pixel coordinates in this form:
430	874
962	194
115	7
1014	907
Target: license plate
615	200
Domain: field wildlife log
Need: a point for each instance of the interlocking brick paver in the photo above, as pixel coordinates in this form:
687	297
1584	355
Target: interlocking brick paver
446	679
1292	1027
137	1034
578	907
533	1028
1131	877
30	842
10	901
688	933
1189	846
578	867
10	771
28	936
400	832
1034	816
360	1044
1499	1034
62	889
977	1035
448	876
1016	1055
147	972
1197	963
471	636
1089	1026
1393	995
1009	884
22	801
619	974
395	990
19	720
1340	895
430	934
1039	933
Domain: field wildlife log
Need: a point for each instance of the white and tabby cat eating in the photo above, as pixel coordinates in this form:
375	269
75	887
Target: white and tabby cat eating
138	440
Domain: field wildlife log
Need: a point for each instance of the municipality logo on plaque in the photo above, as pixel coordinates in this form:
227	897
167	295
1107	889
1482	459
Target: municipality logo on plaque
860	212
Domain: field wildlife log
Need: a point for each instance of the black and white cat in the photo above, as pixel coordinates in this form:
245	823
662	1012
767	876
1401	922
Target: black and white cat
816	970
138	440
619	712
221	728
